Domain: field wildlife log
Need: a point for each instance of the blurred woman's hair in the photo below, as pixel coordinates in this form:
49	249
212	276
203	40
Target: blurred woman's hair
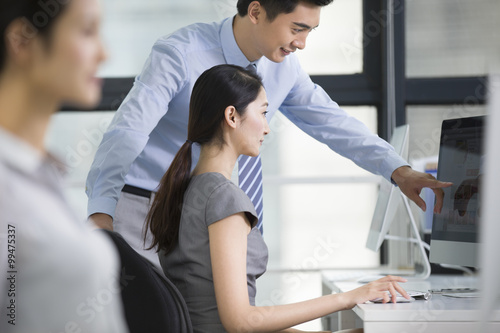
38	17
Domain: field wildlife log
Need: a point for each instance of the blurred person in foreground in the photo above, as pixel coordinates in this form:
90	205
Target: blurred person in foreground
56	274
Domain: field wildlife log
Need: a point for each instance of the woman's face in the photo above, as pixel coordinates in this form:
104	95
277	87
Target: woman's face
254	126
65	66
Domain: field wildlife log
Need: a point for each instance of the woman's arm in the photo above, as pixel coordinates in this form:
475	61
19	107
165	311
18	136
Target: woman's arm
228	250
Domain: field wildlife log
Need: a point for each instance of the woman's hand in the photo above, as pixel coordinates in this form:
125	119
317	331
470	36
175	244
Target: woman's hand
377	289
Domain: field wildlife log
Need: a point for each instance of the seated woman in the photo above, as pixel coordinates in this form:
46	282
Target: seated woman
204	225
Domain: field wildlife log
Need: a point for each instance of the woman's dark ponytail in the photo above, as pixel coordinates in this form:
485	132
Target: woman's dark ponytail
165	213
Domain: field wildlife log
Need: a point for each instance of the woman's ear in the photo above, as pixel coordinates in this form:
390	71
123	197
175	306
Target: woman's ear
19	38
231	116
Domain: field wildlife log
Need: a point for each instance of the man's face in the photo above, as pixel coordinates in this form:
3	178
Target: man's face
287	33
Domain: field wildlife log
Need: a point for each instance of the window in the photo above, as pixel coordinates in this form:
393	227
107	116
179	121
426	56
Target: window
74	137
130	27
451	37
316	198
335	47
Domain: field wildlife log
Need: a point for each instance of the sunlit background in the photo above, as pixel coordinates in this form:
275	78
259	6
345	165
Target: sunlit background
318	205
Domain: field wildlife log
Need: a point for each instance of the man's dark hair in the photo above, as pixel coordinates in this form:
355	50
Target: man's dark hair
275	7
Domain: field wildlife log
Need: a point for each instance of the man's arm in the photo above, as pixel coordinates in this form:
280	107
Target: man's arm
161	79
310	108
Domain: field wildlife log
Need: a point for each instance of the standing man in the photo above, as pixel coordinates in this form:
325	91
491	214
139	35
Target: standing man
151	124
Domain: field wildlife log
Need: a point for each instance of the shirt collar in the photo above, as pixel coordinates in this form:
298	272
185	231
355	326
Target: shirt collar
22	156
231	50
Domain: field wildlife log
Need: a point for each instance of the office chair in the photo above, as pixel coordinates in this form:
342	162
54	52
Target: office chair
151	302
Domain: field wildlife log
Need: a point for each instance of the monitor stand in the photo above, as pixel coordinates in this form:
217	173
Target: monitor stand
421	244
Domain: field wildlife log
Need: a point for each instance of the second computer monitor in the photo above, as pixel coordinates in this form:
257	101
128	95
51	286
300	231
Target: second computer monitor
389	196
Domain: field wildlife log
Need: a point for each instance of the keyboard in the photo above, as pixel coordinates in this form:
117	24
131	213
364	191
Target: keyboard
462	295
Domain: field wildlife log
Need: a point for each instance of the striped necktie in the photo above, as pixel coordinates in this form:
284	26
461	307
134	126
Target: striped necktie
250	176
250	180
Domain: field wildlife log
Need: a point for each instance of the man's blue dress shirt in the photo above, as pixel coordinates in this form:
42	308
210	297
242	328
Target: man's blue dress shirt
151	124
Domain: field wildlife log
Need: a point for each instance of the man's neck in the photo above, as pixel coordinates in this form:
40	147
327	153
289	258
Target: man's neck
242	29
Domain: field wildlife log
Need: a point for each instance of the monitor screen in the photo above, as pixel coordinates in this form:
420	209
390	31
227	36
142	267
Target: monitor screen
389	196
454	238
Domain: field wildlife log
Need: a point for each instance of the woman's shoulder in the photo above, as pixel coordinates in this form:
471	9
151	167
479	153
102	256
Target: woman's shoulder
223	197
210	183
210	188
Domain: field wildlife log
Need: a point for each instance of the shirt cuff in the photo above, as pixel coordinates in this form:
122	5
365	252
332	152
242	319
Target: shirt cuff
392	180
102	205
391	164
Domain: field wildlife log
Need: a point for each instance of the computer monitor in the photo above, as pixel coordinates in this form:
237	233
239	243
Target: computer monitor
389	197
454	238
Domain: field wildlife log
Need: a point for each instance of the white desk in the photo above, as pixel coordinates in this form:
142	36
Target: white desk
440	314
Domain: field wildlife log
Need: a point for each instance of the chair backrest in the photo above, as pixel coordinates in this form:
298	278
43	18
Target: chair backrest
151	302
